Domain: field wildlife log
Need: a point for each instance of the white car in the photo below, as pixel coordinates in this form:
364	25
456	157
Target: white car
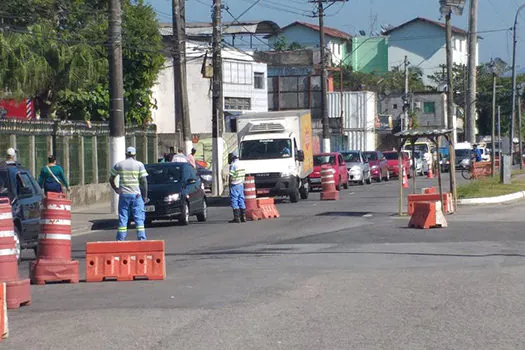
358	168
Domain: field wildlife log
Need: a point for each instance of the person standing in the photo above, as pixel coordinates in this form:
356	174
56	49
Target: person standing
11	156
133	193
191	157
52	178
168	157
236	184
180	157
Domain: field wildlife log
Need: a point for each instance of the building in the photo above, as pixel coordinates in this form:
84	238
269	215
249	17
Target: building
423	42
306	35
370	54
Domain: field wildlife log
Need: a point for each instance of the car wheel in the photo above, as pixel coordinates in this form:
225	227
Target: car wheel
345	184
18	245
304	191
203	215
184	218
294	196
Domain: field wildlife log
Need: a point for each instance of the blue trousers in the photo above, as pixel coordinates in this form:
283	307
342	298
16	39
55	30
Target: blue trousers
237	196
131	204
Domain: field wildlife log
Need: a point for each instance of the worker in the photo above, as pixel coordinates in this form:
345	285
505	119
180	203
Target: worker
191	157
236	184
179	157
11	156
133	193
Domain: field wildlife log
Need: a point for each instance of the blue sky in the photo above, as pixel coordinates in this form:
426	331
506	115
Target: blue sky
356	15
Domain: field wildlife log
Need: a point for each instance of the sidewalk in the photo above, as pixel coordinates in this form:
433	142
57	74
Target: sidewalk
92	218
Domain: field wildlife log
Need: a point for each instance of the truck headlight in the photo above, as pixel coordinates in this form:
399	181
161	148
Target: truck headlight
172	198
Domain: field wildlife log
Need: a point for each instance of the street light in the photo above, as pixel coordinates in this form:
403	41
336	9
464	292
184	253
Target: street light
513	115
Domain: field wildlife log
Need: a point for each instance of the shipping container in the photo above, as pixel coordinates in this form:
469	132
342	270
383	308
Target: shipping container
358	117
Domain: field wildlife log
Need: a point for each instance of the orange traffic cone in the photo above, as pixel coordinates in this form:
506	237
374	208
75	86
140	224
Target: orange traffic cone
405	178
430	175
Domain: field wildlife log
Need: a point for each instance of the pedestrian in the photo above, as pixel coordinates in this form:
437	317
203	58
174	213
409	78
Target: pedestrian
11	156
476	153
52	178
168	157
191	157
236	184
180	157
133	193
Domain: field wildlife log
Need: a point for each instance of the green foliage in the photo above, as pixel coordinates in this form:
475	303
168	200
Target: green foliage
459	81
282	44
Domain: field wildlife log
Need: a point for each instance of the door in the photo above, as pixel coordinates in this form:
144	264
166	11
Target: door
342	169
192	189
29	198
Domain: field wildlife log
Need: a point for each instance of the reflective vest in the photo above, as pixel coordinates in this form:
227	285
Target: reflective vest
236	173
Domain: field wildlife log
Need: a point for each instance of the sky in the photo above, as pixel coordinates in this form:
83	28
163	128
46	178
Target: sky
494	16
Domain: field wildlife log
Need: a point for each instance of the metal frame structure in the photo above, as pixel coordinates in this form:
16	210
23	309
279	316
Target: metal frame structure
434	136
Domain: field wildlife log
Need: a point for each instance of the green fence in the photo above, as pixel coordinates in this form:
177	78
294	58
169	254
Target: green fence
81	149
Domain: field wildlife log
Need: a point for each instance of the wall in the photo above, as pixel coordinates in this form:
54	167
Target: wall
370	54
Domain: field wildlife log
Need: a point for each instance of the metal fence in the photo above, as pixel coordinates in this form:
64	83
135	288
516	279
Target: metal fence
81	149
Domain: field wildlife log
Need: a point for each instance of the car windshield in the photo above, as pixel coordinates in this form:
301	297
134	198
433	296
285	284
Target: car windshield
370	155
162	175
4	184
422	147
265	149
418	154
352	157
463	153
390	156
320	160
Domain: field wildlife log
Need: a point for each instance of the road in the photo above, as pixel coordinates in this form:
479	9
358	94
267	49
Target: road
326	275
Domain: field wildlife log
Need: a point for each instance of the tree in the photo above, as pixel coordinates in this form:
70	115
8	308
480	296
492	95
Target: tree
459	78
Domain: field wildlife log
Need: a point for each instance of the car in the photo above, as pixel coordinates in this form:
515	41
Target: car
421	164
358	168
378	165
205	176
393	162
20	187
174	193
444	162
336	161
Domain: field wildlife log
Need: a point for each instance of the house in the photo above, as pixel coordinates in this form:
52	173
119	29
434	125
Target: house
370	54
306	35
423	42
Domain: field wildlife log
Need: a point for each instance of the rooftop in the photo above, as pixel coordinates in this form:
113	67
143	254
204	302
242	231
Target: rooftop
428	21
334	33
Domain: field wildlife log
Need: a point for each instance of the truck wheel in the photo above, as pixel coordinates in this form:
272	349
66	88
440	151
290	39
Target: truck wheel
294	196
304	191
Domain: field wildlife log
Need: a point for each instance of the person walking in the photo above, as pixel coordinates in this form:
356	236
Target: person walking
191	157
52	178
133	193
236	184
179	157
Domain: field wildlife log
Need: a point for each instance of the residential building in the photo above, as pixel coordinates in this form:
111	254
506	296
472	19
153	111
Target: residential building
423	42
370	54
306	35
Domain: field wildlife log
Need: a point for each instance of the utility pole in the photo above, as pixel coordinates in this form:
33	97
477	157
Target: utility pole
472	72
217	101
404	124
179	70
514	44
493	136
324	78
520	142
450	106
117	132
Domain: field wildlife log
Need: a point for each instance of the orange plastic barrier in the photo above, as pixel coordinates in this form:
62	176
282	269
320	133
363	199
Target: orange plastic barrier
53	263
447	201
329	192
250	197
427	215
405	178
267	208
428	190
18	291
4	331
125	261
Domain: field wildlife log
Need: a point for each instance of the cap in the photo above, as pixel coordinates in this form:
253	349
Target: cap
131	151
235	154
11	152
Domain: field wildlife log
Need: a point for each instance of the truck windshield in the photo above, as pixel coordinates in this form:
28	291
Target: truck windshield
463	153
265	149
320	160
423	147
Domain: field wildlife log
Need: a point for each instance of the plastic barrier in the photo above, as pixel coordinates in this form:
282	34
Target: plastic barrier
267	207
53	263
329	192
427	215
433	197
18	291
405	178
430	174
125	261
250	197
428	190
4	329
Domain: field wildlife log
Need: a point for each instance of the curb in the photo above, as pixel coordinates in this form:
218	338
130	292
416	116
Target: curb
492	200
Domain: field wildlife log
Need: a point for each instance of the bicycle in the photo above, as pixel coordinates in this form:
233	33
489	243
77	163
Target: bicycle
467	172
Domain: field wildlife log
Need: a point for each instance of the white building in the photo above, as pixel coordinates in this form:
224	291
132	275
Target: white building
423	42
244	88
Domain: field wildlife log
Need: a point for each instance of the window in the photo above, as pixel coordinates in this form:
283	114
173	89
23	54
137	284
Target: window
429	108
258	80
394	106
237	103
237	73
24	186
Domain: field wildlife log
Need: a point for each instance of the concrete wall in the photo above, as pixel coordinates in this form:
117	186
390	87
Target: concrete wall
86	195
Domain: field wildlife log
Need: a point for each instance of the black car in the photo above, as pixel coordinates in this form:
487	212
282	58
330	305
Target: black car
205	176
174	192
25	195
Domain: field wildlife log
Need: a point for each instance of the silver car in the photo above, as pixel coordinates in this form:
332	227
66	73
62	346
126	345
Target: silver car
358	168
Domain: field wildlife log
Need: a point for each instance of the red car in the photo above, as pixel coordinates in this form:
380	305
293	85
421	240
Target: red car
336	161
393	162
378	165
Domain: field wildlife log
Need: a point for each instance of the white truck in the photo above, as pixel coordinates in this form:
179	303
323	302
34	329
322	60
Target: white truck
277	149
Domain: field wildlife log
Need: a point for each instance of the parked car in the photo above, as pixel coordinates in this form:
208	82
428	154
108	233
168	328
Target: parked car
421	164
358	168
205	175
19	186
393	163
174	192
336	161
378	165
444	162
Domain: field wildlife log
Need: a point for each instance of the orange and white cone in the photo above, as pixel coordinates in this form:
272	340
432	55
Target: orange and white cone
430	175
405	178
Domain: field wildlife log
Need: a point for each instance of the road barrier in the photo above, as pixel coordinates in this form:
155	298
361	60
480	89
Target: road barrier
427	215
482	169
125	261
428	190
253	212
53	263
448	202
329	192
405	178
267	207
4	329
18	291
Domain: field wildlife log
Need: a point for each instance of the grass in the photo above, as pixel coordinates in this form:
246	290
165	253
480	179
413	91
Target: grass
490	187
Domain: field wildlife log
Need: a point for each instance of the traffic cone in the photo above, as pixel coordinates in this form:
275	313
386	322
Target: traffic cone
405	178
430	175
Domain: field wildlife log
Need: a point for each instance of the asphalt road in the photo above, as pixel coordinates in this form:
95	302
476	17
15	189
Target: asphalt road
326	275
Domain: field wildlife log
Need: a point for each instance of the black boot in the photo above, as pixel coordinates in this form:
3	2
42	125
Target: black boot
243	215
236	217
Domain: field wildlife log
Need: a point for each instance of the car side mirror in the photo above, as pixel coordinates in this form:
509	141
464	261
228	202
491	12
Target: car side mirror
300	156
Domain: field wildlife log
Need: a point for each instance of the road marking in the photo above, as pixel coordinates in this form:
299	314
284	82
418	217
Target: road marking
368	215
